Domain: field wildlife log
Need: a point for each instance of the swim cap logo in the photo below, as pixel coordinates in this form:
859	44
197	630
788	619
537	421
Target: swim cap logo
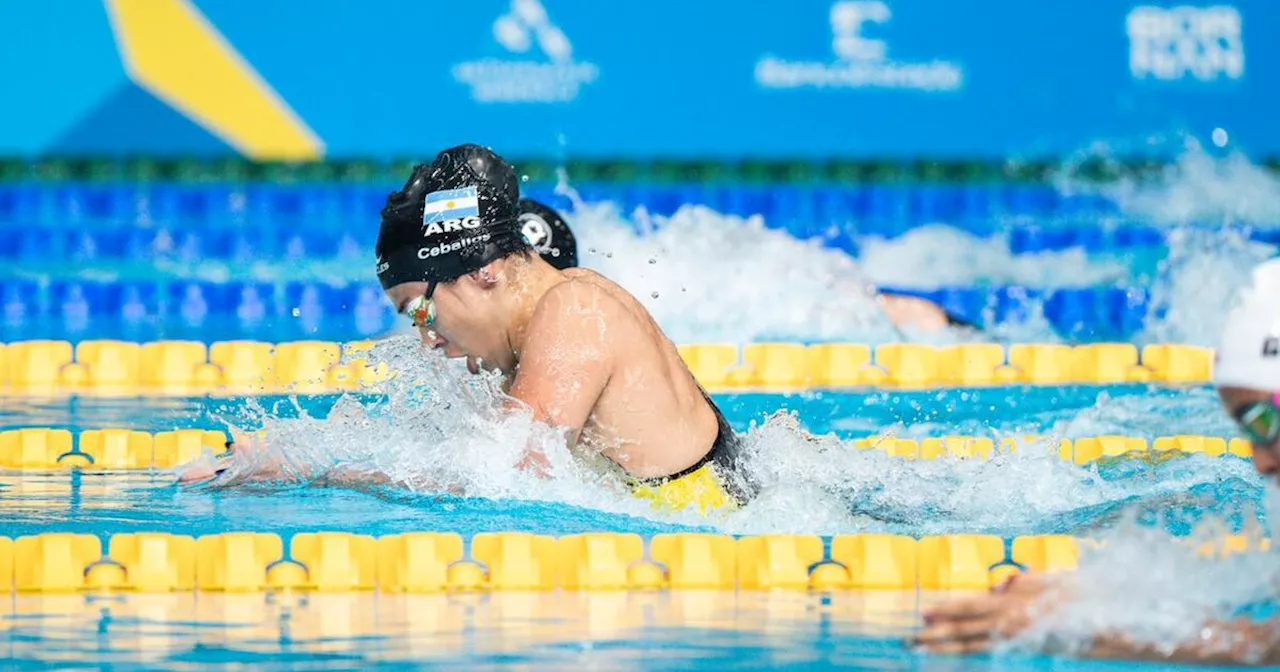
382	265
536	231
449	248
450	226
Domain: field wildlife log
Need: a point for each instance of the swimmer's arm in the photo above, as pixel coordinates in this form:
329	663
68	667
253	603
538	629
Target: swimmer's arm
1238	642
566	360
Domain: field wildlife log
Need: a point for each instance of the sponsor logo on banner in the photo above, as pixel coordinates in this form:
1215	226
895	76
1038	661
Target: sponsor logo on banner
861	62
541	67
1177	43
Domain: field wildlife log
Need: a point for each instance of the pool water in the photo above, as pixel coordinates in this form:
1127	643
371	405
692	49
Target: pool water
1031	491
699	272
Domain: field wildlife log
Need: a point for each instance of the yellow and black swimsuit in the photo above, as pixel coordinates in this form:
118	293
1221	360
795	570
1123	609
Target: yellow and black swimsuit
714	482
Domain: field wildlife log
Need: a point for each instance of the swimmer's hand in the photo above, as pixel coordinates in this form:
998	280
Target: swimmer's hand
974	624
206	468
535	462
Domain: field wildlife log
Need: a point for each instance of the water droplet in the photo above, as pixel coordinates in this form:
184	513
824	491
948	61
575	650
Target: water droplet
652	260
1220	137
524	178
654	295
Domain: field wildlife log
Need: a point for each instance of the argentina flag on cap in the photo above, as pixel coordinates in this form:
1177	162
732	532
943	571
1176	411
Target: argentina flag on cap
451	204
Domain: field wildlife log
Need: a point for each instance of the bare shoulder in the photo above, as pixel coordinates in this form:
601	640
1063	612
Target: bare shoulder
581	309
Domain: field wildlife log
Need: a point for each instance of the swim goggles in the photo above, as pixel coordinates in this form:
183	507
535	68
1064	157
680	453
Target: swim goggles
422	310
1260	421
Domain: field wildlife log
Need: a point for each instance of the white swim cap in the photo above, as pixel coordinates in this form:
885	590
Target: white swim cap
1249	353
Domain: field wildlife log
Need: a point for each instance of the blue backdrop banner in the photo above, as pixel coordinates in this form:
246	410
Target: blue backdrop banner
636	78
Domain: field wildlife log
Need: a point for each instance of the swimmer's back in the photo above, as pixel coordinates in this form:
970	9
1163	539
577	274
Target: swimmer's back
651	394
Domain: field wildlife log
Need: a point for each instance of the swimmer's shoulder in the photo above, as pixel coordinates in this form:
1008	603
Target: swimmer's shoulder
577	278
584	295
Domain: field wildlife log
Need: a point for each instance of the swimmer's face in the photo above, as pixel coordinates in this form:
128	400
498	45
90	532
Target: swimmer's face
1266	459
463	326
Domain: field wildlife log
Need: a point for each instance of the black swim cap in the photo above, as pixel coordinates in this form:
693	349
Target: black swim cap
549	234
452	217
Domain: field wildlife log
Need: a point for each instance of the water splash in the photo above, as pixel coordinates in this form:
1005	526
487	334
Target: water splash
713	277
1162	591
939	255
1207	205
439	430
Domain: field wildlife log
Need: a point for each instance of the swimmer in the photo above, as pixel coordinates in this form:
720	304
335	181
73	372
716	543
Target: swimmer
573	347
1247	375
914	311
455	257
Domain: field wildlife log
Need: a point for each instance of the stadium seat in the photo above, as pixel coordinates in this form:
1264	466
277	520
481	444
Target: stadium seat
1074	312
1014	304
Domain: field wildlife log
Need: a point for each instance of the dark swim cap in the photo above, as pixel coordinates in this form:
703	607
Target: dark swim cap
549	234
452	217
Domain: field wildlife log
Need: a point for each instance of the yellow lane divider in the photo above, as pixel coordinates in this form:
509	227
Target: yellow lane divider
121	368
436	562
122	449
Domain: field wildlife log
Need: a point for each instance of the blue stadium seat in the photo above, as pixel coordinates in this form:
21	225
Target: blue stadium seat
788	207
933	204
658	199
192	207
1014	304
1031	239
18	204
317	297
372	313
833	205
133	302
74	303
19	301
191	303
83	205
10	243
252	302
1033	200
306	243
1139	235
976	202
884	204
1076	312
1090	236
1126	310
596	192
1265	234
746	200
39	244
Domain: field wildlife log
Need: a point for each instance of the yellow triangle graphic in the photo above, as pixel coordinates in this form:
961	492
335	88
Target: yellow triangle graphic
170	49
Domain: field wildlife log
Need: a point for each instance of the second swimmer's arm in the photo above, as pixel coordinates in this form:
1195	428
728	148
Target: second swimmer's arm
565	362
1237	642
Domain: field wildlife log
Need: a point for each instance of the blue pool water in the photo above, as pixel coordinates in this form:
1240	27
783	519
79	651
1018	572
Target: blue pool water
697	630
1142	263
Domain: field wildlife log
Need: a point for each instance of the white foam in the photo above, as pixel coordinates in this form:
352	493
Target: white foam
939	255
443	430
1158	591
